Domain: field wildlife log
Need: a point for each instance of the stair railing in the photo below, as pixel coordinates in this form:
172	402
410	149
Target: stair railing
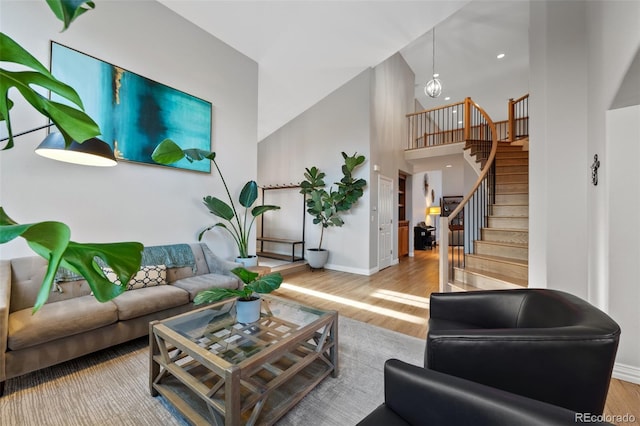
436	126
519	118
444	125
457	240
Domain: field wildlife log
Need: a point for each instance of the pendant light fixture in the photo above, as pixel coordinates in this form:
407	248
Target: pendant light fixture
92	152
433	88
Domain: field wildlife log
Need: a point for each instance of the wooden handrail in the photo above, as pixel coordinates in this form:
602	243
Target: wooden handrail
424	111
487	167
480	193
520	99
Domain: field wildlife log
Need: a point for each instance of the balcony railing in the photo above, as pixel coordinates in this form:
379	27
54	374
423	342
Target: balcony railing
519	118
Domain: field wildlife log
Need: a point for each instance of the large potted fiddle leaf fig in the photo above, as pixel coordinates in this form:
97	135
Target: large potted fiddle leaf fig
51	240
327	207
238	223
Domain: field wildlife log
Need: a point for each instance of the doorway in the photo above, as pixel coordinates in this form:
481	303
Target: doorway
385	221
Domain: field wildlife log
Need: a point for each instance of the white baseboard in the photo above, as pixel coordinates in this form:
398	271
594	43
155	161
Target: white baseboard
348	269
628	373
359	271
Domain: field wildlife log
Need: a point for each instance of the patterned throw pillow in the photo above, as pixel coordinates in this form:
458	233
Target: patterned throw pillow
147	276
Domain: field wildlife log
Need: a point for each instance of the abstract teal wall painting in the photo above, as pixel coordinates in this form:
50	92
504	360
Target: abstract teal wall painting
134	113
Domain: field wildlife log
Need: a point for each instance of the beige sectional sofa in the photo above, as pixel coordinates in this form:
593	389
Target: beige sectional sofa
73	323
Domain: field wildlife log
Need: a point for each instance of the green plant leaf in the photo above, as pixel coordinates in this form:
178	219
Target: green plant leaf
218	207
73	123
50	240
266	283
195	154
216	294
245	275
167	152
68	10
124	258
325	206
351	162
47	239
249	194
258	210
10	51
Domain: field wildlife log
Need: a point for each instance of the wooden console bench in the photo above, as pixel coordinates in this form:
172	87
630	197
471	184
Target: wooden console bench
293	244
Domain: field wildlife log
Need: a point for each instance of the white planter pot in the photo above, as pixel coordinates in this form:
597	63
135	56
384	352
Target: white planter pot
247	311
248	261
317	258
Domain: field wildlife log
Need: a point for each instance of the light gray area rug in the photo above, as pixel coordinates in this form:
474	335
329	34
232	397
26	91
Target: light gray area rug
111	387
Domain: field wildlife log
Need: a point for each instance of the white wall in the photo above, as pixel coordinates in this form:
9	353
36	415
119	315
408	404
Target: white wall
622	185
392	98
613	258
558	150
153	205
340	122
580	52
364	115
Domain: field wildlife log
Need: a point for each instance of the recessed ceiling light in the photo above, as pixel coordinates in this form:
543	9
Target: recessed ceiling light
448	166
447	98
500	55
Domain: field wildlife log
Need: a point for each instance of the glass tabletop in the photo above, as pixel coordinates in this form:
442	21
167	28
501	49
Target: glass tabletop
216	329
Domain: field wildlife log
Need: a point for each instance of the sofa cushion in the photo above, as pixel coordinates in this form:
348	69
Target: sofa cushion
195	285
143	301
58	319
147	276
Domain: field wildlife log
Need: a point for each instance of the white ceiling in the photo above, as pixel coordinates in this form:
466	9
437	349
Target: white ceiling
307	49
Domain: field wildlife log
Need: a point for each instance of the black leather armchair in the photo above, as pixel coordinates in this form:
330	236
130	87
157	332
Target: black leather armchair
418	396
543	344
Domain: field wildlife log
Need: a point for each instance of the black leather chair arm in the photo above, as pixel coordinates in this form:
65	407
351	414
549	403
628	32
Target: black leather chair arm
418	396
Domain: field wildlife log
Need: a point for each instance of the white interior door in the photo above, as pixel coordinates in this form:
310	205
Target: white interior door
385	221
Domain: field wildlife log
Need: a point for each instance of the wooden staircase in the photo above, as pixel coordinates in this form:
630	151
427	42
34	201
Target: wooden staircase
500	257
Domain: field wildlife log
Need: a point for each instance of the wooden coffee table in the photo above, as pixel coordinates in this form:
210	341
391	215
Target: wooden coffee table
217	371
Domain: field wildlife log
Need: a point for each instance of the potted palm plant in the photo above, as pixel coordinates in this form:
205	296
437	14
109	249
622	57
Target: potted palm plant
248	304
238	224
326	207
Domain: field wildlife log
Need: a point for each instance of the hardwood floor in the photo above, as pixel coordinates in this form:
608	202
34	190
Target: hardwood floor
397	298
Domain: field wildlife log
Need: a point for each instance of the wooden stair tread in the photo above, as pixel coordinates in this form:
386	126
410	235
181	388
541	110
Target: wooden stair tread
505	229
500	259
503	244
513	193
501	279
498	277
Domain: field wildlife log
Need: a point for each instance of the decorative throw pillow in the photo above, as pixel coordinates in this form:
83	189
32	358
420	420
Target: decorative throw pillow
147	276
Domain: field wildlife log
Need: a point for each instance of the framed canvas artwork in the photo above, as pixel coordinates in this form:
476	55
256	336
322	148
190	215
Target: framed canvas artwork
134	113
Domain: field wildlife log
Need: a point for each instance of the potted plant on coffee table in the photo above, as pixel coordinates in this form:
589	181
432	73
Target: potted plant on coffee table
248	304
238	224
326	207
